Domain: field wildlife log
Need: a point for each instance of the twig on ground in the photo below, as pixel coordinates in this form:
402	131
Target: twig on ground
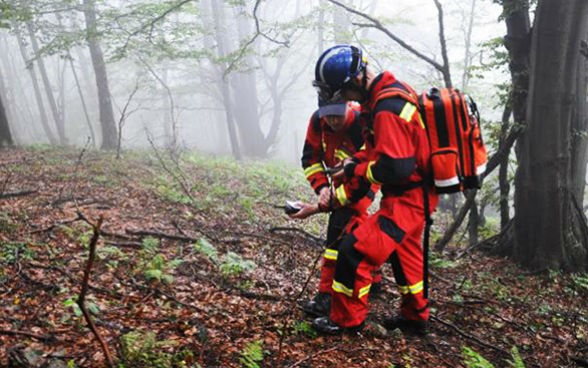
20	193
43	338
84	290
316	239
469	336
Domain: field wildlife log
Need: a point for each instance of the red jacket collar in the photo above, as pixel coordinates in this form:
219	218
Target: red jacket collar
383	79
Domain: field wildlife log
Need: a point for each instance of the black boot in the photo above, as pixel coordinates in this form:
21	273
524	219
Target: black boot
413	327
324	325
318	306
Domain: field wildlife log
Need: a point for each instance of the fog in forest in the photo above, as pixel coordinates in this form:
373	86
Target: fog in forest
181	74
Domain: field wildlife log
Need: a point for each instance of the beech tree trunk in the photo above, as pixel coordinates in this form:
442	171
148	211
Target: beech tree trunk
36	89
5	136
550	230
59	123
109	135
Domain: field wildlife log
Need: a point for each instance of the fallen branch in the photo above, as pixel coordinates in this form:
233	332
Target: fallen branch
469	336
159	234
17	194
82	296
57	224
315	239
43	338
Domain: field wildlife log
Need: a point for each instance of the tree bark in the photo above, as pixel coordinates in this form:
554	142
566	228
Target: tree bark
5	136
107	124
225	92
245	102
550	229
580	125
503	183
48	89
33	75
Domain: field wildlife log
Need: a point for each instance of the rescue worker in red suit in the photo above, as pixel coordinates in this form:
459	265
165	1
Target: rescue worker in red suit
334	133
397	157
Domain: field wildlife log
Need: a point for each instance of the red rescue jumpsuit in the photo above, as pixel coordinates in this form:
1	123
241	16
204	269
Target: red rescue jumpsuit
324	147
396	156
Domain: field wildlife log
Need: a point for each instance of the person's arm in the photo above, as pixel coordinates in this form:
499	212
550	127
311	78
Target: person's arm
312	156
394	155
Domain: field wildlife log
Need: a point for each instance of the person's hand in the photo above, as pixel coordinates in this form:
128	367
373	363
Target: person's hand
341	173
325	197
306	209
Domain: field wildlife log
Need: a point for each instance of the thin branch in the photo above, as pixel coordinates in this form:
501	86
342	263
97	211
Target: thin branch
471	195
297	230
378	25
82	296
17	194
467	335
446	73
249	42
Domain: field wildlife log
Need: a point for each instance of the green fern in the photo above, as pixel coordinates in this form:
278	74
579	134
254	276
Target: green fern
252	354
517	361
473	359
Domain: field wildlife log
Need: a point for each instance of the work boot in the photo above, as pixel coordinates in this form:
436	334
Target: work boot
413	327
318	306
324	325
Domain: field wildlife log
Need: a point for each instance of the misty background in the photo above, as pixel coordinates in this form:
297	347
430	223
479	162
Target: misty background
182	73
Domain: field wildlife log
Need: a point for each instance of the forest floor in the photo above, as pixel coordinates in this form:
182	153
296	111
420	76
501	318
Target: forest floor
193	270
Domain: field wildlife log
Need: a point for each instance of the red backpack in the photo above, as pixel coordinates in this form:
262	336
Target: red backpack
458	154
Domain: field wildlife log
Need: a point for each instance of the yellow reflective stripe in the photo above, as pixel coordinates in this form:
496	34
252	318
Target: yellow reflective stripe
362	148
421	121
370	175
340	288
313	169
331	254
413	289
407	111
341	155
341	195
364	290
416	288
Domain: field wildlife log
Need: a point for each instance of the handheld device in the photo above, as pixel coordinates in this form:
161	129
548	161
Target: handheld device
291	207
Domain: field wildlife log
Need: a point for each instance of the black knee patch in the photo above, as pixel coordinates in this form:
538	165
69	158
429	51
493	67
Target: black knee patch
348	260
390	228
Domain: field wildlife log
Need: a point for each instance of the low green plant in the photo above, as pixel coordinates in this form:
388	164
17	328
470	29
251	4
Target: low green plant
142	349
473	359
233	264
305	328
204	247
11	251
580	281
436	261
252	354
517	361
159	269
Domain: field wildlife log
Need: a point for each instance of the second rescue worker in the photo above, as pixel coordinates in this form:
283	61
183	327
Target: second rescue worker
334	134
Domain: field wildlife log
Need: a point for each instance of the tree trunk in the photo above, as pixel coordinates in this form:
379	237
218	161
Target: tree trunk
48	89
224	83
474	222
550	229
5	136
468	44
245	100
109	136
580	126
37	90
503	184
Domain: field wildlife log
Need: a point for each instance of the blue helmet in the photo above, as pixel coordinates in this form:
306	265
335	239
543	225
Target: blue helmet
335	67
